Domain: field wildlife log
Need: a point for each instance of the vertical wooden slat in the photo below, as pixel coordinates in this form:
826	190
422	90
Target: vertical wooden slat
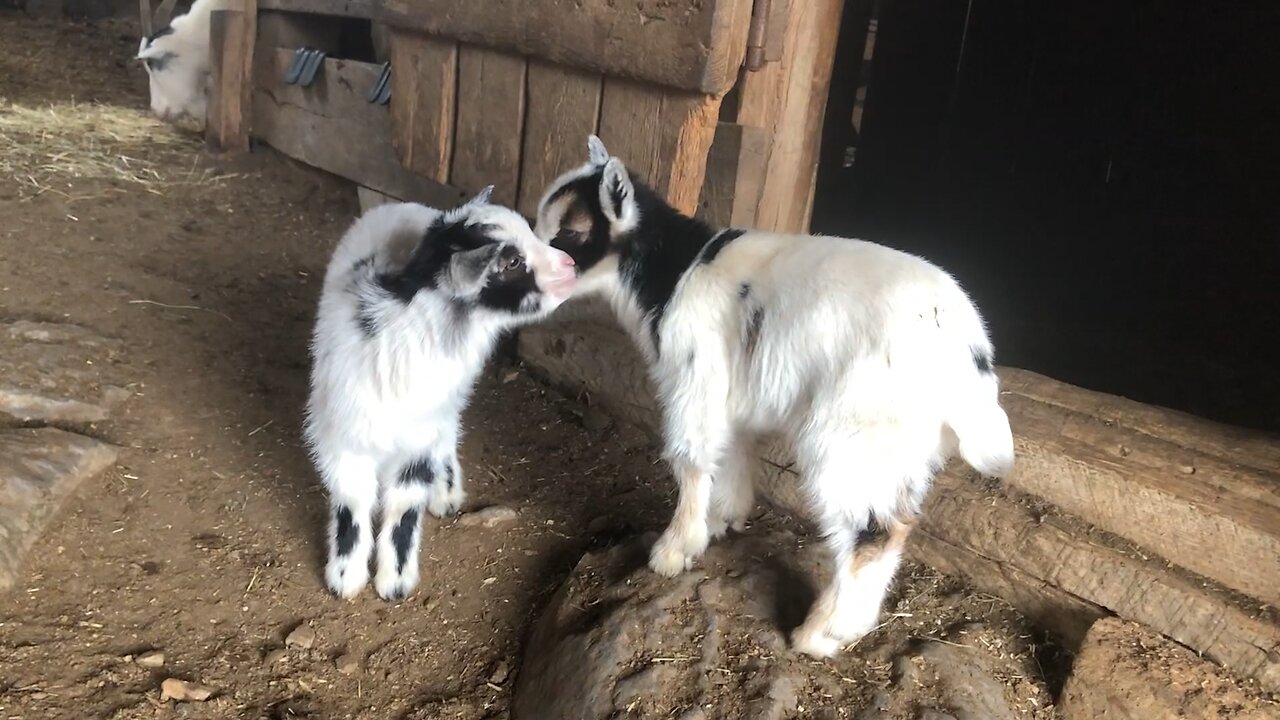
491	101
788	99
231	43
423	88
735	174
662	134
563	105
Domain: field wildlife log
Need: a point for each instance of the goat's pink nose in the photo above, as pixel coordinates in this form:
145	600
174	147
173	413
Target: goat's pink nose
566	261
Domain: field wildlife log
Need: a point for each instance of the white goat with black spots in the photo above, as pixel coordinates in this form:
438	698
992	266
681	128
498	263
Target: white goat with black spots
873	362
177	62
414	301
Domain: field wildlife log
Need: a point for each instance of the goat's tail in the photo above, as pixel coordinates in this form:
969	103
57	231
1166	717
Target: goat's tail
980	424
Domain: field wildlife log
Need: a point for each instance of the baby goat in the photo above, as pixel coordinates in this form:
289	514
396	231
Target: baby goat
413	302
874	363
177	62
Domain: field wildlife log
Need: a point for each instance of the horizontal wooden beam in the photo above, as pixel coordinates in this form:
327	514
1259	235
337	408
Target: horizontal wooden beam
343	8
690	46
331	126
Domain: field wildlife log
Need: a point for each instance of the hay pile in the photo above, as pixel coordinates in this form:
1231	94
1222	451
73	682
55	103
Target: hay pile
45	149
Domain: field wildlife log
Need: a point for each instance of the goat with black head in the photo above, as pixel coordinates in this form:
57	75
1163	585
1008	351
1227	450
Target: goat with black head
414	301
872	362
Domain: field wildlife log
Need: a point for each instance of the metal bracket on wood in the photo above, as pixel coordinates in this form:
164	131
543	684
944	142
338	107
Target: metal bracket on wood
302	70
757	32
380	93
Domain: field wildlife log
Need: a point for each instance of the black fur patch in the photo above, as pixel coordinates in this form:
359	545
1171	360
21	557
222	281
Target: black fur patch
162	32
347	532
419	472
744	290
431	258
508	290
724	237
590	250
159	62
449	475
982	361
402	536
754	321
366	320
873	533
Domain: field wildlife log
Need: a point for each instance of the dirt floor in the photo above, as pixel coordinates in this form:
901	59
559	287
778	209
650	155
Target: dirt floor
205	541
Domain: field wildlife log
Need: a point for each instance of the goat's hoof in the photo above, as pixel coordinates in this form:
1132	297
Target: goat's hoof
717	528
345	578
673	554
816	644
392	587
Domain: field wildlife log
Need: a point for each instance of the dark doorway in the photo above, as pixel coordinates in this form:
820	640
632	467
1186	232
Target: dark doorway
1101	177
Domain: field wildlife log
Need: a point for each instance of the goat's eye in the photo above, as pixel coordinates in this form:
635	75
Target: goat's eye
511	263
568	235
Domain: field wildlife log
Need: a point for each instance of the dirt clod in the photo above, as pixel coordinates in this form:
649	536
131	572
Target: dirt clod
491	516
151	659
303	636
184	691
348	663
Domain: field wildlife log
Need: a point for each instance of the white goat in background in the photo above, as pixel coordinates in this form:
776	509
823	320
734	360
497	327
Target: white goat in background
177	59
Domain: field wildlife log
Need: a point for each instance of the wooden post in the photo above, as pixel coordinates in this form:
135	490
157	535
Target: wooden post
231	43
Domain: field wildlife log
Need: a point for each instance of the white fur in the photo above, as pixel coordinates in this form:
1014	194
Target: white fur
387	397
863	356
180	81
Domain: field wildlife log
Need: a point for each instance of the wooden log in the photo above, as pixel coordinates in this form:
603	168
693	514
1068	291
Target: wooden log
691	46
787	99
561	111
342	8
662	135
490	123
1057	570
330	125
423	92
1125	672
735	175
1188	490
231	44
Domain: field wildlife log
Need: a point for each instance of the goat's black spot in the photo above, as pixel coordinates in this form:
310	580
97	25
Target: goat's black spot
159	62
346	532
982	361
361	264
162	32
586	253
509	290
873	533
754	321
402	536
419	472
744	290
722	238
449	475
431	258
366	320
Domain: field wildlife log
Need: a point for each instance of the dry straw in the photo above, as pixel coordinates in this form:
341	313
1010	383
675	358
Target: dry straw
45	149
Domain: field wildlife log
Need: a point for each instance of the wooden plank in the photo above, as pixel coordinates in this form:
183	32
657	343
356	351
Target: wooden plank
423	91
231	43
692	46
735	173
490	122
330	125
343	8
561	111
292	31
787	99
662	135
1084	563
1125	672
1144	487
1047	565
369	199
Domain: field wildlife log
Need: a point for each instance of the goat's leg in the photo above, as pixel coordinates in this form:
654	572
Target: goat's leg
400	537
733	488
353	492
687	536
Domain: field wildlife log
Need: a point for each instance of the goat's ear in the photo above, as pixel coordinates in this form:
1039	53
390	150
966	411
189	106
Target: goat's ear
481	197
596	153
468	270
618	196
148	51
